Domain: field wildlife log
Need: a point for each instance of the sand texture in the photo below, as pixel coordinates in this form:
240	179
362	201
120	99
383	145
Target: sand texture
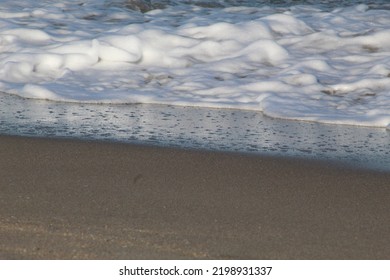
64	199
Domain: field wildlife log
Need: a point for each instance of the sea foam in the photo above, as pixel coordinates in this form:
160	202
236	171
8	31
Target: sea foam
299	62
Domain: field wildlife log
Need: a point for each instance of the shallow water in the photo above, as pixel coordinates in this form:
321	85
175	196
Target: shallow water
197	128
323	61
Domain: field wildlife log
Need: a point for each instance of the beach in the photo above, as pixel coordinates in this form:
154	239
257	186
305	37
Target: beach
70	199
176	129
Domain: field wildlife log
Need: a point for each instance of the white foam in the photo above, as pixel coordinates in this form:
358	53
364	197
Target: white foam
301	62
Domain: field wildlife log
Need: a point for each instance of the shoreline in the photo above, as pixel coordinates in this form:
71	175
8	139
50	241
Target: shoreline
70	199
197	128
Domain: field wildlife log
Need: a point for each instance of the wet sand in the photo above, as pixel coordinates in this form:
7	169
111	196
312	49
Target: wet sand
63	199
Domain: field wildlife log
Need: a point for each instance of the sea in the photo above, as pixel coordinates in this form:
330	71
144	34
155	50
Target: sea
295	78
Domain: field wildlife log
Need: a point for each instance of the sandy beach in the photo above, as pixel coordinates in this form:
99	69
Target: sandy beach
63	199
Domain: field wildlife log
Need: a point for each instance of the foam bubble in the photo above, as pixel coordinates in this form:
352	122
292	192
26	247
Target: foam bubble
300	62
36	91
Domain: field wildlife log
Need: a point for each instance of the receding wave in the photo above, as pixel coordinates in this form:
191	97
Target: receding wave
325	61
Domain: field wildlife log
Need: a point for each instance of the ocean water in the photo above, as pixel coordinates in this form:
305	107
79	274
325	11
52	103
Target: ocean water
65	65
213	129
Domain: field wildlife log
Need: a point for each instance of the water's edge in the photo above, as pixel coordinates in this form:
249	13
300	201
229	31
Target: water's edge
196	128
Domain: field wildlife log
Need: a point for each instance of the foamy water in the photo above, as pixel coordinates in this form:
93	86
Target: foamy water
322	62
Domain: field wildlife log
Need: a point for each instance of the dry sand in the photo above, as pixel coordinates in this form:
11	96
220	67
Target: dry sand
65	199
